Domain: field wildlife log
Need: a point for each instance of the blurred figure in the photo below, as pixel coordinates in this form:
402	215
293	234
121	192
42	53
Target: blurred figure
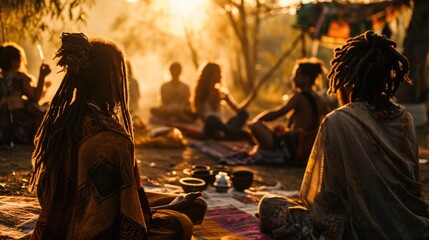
362	178
207	104
19	117
175	96
292	144
88	182
134	91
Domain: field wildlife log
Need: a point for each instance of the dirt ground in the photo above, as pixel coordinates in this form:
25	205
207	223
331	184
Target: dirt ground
160	165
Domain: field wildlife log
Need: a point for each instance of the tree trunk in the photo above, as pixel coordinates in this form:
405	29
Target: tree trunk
416	45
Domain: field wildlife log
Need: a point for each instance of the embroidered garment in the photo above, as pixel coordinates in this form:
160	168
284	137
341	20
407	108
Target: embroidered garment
362	178
361	182
99	195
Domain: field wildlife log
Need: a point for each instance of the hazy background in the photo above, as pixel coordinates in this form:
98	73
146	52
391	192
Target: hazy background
154	37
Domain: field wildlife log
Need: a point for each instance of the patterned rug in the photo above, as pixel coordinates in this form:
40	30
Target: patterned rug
228	153
230	215
229	223
18	216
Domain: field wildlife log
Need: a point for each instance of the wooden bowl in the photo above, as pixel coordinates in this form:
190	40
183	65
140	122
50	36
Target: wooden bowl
190	184
242	179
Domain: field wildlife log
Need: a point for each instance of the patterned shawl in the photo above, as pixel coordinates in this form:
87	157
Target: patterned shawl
362	178
97	194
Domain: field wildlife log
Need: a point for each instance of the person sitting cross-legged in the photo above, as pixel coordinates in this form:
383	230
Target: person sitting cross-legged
291	144
362	178
87	178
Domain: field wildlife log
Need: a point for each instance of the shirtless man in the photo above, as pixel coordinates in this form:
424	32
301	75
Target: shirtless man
305	105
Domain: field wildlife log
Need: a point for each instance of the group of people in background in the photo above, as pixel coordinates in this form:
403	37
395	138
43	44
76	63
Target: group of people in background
19	117
361	179
284	144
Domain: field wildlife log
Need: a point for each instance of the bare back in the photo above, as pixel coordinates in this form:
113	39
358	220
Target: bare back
304	116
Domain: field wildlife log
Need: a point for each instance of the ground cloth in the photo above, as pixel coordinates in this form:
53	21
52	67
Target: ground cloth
18	216
230	215
225	153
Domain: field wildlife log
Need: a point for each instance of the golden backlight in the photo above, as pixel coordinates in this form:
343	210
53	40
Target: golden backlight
187	13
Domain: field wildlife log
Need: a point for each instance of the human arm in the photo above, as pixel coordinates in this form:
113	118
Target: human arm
273	114
165	95
34	93
232	104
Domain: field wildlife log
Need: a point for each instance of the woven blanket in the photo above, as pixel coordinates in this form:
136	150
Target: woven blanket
225	153
230	215
229	223
189	130
18	216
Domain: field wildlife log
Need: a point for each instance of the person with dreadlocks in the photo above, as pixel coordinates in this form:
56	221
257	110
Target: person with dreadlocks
87	178
19	117
362	178
291	144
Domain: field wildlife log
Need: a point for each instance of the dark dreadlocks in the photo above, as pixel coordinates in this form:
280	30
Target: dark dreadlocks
373	68
312	68
95	65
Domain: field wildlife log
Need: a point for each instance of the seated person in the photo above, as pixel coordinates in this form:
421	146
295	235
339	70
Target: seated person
175	95
207	104
292	144
19	118
134	89
134	92
362	178
88	181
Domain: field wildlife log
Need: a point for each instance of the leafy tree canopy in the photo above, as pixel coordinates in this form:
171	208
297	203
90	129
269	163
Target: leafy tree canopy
27	19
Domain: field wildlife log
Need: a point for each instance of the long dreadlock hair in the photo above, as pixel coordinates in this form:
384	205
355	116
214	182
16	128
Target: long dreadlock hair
90	65
373	68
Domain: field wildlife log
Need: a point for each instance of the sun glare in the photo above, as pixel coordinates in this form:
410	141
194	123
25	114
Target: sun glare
187	13
186	7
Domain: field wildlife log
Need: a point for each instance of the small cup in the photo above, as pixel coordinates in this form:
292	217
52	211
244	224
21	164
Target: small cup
203	174
192	184
242	180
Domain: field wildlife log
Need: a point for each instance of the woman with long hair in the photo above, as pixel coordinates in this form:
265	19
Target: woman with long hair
207	103
87	178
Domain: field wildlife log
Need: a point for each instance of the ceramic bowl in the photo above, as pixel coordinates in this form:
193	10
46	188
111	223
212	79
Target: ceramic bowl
188	171
242	179
190	184
203	174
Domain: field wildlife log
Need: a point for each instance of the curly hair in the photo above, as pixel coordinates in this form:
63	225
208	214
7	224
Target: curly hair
205	83
370	65
89	65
